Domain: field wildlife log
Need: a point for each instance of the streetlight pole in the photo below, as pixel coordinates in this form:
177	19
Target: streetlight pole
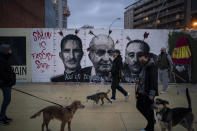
164	1
114	22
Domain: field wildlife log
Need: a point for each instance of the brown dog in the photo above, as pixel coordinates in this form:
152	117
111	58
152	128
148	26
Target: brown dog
101	95
65	115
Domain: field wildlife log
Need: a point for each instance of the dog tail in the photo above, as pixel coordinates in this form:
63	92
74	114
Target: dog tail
108	91
188	99
36	114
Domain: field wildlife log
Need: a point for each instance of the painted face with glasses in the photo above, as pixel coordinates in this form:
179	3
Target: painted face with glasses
101	53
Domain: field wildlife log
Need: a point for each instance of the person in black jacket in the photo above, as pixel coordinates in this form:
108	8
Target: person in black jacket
116	75
147	89
7	80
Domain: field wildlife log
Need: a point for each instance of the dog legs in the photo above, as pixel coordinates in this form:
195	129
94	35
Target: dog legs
63	125
188	122
188	126
108	99
170	126
97	100
102	101
46	120
45	124
69	127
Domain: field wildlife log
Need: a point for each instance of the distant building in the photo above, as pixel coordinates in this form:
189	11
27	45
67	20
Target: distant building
87	27
162	14
27	14
62	12
194	11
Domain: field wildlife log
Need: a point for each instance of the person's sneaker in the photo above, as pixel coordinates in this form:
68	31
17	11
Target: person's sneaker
127	96
4	122
162	92
8	119
112	99
143	130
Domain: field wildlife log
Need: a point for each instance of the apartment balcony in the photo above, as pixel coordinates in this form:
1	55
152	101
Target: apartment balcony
172	19
156	4
162	21
142	21
161	14
165	26
171	12
172	26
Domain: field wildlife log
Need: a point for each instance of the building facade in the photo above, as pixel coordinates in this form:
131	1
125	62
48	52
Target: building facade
50	14
162	14
27	14
62	12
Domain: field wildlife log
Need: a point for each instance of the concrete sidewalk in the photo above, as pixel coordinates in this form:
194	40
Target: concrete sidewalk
119	116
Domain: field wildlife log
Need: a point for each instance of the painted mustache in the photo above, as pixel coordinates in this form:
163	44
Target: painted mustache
105	63
72	61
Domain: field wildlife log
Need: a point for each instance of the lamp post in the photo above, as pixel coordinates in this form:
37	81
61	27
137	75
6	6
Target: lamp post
159	12
194	24
114	22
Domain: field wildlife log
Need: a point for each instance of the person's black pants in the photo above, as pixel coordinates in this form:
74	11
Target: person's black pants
144	105
6	100
115	85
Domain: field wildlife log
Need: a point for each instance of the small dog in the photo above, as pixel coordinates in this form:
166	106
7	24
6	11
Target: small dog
101	95
65	115
171	117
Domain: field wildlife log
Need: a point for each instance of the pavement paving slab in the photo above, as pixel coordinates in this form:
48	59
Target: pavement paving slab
121	115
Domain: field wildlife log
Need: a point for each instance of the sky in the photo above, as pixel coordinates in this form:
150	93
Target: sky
97	13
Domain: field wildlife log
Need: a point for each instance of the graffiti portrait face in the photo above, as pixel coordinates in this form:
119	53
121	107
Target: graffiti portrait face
101	53
131	56
71	54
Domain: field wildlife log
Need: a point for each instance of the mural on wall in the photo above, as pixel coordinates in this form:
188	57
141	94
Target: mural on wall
18	58
71	53
131	67
60	55
100	52
179	48
42	48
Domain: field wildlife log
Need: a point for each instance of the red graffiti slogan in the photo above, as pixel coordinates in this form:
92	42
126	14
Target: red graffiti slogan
40	35
42	65
43	57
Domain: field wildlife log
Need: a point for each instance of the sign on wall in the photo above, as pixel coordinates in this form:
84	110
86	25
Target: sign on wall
18	58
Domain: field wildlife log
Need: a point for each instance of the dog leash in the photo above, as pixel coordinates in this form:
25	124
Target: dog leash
174	74
37	97
178	76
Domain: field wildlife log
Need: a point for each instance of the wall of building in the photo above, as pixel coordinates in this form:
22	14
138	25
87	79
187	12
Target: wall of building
128	19
22	13
194	5
50	17
44	62
21	67
173	14
61	18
